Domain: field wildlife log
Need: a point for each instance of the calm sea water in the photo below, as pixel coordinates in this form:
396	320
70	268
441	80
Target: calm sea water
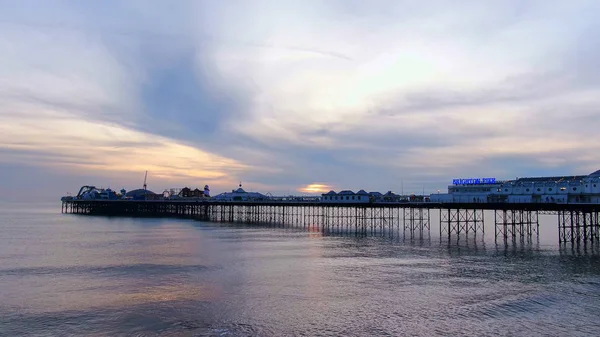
63	275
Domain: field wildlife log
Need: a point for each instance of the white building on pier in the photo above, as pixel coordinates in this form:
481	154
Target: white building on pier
345	196
559	189
240	195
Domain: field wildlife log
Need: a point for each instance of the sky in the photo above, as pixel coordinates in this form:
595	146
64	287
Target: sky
294	97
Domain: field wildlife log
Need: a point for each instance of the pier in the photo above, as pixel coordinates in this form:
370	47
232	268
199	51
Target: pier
577	223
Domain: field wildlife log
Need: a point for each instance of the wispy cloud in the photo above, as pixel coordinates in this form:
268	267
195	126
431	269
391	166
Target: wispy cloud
55	139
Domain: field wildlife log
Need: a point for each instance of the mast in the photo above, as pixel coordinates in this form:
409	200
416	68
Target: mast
145	177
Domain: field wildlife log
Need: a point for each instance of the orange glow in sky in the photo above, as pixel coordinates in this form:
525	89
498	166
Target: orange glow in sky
315	188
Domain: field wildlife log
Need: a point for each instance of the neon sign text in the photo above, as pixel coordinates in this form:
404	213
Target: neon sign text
474	181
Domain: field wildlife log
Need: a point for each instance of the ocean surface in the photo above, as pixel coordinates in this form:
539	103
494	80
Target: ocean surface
71	275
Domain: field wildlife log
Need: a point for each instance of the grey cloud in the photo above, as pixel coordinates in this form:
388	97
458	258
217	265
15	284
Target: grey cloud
41	156
512	166
522	90
95	111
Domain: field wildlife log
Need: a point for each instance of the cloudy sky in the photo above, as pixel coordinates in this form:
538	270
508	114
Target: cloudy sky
286	95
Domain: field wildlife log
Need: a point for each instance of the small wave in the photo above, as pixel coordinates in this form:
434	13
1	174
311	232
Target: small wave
129	269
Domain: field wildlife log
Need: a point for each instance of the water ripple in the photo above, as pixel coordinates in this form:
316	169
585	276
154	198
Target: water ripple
75	276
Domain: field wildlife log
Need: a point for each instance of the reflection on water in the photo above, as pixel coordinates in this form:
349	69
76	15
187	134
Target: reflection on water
77	275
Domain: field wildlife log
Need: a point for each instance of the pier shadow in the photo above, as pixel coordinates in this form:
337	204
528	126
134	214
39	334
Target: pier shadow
584	249
517	249
517	241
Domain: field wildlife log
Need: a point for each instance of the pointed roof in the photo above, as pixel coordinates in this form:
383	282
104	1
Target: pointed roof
362	192
595	174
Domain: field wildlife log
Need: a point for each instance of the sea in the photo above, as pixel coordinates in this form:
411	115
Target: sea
76	275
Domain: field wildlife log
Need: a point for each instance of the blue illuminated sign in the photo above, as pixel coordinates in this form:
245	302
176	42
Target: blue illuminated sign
474	181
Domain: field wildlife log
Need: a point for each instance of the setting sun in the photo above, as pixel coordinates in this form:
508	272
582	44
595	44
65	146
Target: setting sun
315	188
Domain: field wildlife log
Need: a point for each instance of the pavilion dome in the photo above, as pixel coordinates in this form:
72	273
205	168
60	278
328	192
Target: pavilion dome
139	192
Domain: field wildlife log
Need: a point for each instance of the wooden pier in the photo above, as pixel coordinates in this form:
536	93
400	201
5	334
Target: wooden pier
577	223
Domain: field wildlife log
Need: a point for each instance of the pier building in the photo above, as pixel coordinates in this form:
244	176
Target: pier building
240	195
556	189
346	196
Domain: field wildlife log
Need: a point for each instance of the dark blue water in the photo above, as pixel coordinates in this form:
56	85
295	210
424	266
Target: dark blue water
63	275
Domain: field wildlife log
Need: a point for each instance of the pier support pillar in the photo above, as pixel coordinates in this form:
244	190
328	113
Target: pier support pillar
416	220
461	221
578	227
516	223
